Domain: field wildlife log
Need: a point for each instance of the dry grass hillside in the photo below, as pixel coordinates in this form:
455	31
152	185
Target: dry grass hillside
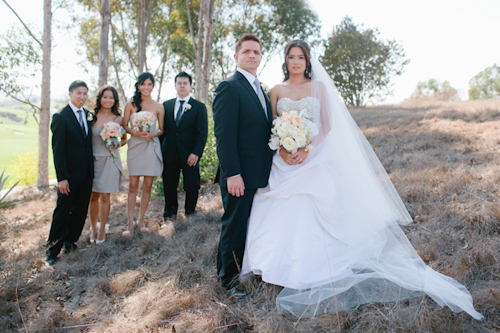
444	159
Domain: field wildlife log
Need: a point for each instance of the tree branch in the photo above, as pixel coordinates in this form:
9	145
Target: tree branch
60	5
22	22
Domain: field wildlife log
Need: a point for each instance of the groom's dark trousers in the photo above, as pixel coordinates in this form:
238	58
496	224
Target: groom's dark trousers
242	129
73	161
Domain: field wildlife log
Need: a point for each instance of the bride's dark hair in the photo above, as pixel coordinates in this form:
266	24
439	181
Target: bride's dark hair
136	100
307	54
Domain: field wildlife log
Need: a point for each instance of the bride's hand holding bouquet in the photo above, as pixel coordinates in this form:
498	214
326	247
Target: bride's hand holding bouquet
293	132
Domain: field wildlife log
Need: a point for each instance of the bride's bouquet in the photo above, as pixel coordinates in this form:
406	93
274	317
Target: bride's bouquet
143	121
292	131
111	134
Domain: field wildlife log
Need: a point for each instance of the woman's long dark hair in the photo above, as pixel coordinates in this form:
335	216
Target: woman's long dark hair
115	109
136	100
307	54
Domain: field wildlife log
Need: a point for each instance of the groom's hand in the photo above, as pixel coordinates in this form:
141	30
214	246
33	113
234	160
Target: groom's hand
64	187
235	186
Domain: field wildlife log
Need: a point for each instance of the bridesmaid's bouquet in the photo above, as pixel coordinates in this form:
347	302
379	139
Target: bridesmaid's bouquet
143	121
292	131
111	134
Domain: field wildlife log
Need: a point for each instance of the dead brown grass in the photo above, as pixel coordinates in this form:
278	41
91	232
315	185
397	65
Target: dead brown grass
444	158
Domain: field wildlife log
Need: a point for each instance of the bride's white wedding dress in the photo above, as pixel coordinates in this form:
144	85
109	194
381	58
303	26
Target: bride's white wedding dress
328	234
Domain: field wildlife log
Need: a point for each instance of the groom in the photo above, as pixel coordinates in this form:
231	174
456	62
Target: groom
74	164
242	126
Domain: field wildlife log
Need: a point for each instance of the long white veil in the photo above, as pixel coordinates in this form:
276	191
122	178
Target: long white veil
383	266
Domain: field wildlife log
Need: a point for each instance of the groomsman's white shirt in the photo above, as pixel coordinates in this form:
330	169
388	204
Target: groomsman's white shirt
84	116
177	103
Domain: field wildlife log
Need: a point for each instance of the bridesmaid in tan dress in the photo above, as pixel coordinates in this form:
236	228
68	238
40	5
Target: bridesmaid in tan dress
144	152
107	162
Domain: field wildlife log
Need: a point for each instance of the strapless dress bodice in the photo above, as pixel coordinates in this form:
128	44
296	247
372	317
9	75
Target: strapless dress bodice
310	106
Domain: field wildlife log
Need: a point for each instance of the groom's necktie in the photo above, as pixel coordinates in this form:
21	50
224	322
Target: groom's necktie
179	112
261	95
80	120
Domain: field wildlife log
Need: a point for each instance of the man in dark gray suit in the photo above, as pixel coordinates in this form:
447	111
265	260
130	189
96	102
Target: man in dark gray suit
242	126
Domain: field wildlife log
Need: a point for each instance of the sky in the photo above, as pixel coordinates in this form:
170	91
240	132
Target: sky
443	39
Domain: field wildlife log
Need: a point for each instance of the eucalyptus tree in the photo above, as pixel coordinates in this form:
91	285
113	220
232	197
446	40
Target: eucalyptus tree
360	64
486	84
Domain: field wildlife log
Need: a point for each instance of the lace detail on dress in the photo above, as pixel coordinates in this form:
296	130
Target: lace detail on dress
308	104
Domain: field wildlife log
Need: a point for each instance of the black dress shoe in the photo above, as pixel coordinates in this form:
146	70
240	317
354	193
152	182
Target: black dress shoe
169	217
190	213
70	247
236	292
50	261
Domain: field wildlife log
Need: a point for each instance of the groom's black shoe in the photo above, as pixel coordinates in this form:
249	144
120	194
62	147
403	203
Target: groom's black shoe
236	291
70	247
50	261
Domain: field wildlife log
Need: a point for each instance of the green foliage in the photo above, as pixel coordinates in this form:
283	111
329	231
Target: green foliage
360	64
436	90
157	187
209	161
486	84
20	61
26	168
5	204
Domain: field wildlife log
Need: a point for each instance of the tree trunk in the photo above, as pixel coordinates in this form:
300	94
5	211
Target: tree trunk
209	28
141	17
144	19
104	42
43	130
199	52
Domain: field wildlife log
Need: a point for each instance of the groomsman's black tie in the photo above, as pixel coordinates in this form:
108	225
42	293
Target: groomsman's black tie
180	111
80	120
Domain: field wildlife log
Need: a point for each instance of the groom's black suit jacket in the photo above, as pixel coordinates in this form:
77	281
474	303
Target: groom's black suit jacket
190	136
72	149
242	132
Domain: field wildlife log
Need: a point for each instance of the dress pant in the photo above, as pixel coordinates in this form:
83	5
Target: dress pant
69	216
233	235
171	174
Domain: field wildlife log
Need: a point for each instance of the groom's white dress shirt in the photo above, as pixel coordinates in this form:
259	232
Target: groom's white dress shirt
84	116
177	103
251	79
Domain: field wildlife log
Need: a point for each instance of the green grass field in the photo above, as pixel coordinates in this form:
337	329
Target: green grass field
18	138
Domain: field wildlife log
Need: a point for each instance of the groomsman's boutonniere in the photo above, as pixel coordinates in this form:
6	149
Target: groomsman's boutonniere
90	116
188	107
265	88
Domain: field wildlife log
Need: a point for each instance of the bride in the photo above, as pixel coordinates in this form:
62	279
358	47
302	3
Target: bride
326	227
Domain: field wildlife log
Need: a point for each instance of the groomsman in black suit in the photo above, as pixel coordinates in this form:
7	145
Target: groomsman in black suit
182	144
243	119
74	164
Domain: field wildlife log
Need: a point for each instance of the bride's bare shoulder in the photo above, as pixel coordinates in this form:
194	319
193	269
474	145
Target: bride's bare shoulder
277	90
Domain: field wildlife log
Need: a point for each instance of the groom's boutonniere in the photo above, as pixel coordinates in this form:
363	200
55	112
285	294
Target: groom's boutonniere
265	88
188	107
90	116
